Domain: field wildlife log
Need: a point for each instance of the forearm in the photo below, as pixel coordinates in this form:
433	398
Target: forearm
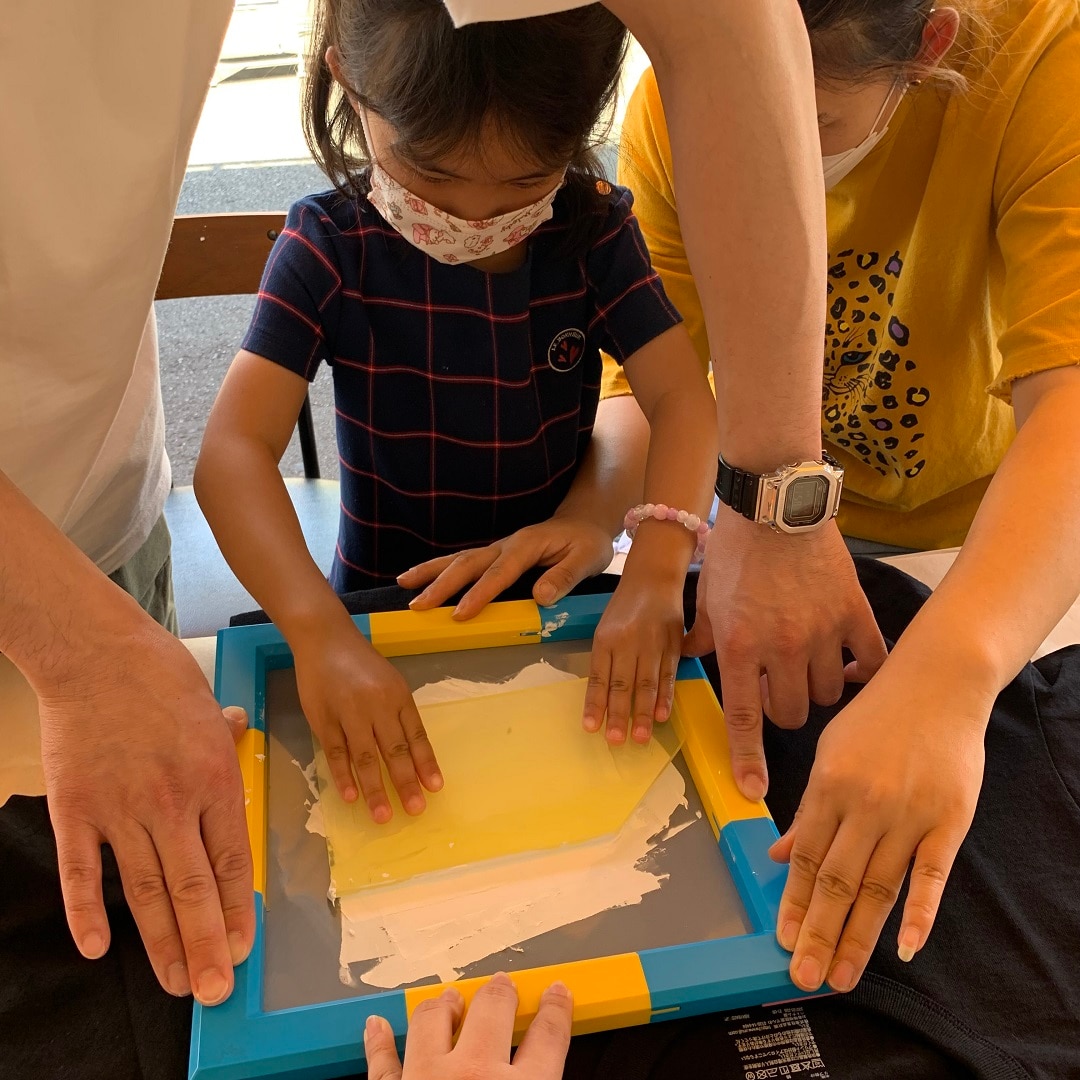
612	474
1019	570
737	83
50	594
254	522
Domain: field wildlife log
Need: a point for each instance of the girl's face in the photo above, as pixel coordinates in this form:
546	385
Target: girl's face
475	186
846	112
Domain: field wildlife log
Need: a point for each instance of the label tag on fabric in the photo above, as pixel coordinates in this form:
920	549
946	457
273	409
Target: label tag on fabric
774	1043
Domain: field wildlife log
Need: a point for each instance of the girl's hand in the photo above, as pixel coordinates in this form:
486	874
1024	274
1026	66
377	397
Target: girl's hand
360	707
896	778
635	658
483	1048
574	549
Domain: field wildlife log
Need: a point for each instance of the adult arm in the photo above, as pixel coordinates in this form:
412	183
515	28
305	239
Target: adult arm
916	731
136	753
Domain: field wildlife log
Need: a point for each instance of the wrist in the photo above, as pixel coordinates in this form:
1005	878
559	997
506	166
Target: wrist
661	552
313	622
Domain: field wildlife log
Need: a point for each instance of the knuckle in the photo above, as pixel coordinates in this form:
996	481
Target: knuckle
193	890
417	733
80	877
818	937
145	888
837	885
619	685
930	873
742	720
805	862
878	892
548	1027
429	1007
597	681
338	755
398	750
365	759
232	866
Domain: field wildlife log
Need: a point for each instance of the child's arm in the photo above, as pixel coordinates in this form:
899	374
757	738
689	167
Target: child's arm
638	642
356	702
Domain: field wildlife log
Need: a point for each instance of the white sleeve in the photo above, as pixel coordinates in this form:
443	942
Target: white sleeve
471	11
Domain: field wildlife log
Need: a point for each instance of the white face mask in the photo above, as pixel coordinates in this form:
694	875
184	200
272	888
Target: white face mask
447	238
837	166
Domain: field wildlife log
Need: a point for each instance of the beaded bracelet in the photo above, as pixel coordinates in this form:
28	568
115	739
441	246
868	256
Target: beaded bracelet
660	512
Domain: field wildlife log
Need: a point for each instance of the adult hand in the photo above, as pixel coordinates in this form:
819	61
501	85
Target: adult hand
138	755
778	610
574	549
896	777
360	707
483	1048
635	657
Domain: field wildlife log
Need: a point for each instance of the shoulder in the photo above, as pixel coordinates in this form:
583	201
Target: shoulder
326	214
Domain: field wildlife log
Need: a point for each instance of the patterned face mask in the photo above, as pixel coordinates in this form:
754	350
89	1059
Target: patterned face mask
447	238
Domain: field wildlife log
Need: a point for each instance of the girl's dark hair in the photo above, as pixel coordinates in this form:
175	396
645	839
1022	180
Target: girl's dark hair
854	40
544	85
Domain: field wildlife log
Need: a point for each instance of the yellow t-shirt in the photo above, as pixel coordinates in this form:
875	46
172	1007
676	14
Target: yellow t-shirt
954	268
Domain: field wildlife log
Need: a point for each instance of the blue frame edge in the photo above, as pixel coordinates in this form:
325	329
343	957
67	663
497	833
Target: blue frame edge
237	1040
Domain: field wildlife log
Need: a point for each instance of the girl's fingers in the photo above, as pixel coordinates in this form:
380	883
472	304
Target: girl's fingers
596	696
461	571
423	754
336	748
364	751
620	698
422	573
397	753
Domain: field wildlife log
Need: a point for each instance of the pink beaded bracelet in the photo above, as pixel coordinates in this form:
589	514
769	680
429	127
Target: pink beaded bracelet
660	512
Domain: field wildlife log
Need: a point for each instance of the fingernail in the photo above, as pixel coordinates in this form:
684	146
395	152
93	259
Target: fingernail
500	978
382	814
452	996
177	980
808	973
789	935
557	990
591	724
842	978
349	794
374	1023
238	947
909	944
436	781
753	787
93	946
212	987
616	736
641	733
416	805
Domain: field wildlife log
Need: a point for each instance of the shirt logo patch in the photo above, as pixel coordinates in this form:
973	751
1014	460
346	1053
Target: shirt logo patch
566	350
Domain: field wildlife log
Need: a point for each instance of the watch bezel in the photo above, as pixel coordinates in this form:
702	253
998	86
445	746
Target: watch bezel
775	487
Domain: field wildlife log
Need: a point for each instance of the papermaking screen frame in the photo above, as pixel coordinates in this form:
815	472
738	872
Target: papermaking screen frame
240	1040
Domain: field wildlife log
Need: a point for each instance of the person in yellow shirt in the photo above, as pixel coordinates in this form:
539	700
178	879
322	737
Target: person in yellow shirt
950	140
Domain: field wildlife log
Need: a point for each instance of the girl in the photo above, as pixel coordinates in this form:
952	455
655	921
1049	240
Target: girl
951	154
461	280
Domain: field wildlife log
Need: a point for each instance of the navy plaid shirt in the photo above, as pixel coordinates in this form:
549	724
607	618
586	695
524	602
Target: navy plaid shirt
465	400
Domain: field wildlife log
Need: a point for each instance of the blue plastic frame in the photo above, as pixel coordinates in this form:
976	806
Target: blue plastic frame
238	1040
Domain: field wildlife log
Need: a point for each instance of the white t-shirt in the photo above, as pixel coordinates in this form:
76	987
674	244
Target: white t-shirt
95	157
470	11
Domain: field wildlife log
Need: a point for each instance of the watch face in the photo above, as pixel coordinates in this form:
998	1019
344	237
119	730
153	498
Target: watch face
807	501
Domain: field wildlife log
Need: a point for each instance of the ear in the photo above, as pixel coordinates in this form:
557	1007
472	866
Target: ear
333	62
939	36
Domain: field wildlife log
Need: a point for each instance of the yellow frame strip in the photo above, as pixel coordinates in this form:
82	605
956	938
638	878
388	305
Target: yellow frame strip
699	721
409	633
609	992
251	750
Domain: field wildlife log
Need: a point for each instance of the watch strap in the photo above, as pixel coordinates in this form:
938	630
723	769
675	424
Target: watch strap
737	488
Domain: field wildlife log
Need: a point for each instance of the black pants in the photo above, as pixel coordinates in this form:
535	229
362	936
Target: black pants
994	994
